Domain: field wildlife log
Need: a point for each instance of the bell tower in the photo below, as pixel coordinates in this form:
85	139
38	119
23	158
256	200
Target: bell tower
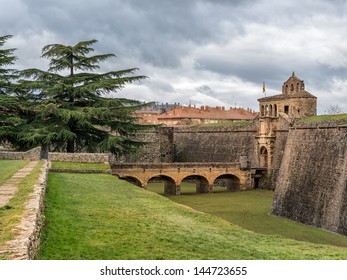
294	101
293	86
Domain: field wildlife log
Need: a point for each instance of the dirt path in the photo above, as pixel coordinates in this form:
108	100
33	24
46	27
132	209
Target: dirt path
10	187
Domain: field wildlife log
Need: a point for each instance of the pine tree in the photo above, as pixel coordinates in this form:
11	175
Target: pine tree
68	109
9	100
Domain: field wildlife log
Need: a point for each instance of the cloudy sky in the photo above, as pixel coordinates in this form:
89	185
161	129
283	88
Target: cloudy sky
210	52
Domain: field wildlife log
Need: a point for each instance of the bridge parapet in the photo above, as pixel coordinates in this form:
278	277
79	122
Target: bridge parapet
176	165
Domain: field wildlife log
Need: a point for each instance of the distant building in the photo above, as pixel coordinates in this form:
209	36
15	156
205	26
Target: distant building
149	114
294	101
185	115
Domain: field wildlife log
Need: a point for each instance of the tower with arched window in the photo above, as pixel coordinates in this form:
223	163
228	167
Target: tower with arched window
293	102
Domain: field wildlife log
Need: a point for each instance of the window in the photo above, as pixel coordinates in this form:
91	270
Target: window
286	109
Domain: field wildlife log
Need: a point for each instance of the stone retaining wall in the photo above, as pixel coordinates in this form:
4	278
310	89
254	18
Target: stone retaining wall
79	157
33	154
82	171
27	242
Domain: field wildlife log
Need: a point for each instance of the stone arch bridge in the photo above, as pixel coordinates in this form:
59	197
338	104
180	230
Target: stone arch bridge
204	175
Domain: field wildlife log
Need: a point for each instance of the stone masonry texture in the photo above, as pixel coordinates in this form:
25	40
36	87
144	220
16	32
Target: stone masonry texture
196	144
311	185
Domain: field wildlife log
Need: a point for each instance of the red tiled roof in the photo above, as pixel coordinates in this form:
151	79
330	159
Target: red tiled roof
213	113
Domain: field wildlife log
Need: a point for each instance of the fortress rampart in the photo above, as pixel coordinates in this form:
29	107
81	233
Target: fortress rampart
196	144
311	185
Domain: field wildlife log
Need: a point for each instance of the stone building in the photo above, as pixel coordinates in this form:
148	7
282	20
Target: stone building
294	101
277	112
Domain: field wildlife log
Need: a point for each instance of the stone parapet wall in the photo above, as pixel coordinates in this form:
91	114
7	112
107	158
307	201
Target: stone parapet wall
234	165
33	154
26	244
79	157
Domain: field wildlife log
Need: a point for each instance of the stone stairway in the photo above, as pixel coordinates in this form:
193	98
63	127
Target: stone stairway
10	187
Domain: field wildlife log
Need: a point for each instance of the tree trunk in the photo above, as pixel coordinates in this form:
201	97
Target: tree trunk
70	143
44	152
70	147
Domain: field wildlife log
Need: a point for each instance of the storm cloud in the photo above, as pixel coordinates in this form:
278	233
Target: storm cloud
198	51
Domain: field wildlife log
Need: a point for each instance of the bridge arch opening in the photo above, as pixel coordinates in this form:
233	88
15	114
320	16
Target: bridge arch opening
226	183
158	182
195	184
131	180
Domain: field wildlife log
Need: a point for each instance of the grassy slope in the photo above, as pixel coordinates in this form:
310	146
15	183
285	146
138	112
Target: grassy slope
79	165
9	167
250	210
321	118
100	217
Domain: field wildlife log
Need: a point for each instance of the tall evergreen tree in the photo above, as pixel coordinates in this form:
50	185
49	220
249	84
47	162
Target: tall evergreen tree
71	111
9	101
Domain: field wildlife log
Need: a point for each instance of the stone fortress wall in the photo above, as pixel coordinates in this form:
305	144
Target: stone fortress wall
215	144
196	144
311	185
